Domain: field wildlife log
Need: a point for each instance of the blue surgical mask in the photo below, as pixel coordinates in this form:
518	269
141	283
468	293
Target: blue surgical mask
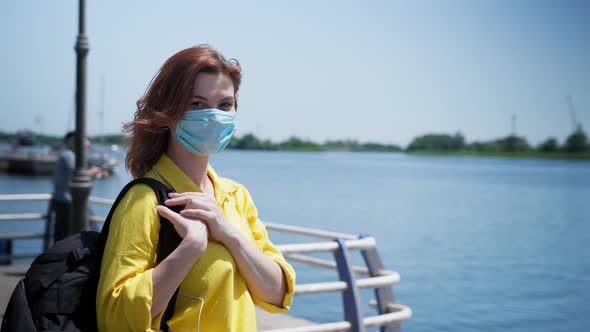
206	132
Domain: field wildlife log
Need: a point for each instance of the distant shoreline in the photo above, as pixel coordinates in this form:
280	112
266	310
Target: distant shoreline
504	154
559	155
576	146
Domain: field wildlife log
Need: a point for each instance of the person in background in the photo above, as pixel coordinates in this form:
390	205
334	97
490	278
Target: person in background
62	200
225	263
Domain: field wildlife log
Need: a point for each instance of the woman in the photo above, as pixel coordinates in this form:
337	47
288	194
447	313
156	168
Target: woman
225	263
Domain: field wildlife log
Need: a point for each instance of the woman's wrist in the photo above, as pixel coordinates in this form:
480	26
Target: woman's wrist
232	239
192	246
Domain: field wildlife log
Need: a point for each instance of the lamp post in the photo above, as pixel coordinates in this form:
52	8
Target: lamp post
80	184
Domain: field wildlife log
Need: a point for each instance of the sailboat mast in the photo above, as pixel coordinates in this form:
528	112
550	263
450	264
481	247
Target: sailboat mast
101	112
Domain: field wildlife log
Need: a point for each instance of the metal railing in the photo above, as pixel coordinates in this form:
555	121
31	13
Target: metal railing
374	275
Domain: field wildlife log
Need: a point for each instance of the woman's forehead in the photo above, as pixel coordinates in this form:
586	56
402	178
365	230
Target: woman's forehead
213	84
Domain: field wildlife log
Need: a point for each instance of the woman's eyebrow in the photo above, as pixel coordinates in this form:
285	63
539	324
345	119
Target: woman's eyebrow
222	99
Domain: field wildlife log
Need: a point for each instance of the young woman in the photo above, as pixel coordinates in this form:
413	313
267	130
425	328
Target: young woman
225	263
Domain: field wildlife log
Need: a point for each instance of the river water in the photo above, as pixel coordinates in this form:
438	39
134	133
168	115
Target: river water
482	244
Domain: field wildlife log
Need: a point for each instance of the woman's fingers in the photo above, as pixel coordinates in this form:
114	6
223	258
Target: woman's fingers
190	195
187	193
203	207
176	218
171	216
197	202
185	225
192	202
178	201
165	212
198	214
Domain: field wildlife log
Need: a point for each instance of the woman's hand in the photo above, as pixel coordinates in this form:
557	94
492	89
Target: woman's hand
263	275
193	231
170	272
203	207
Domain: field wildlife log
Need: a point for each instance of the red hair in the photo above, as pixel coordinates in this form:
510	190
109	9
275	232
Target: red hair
165	101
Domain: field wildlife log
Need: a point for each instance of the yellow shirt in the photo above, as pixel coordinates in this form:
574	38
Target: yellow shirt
213	295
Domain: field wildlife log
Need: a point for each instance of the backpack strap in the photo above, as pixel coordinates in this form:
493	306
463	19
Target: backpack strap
168	241
104	233
168	237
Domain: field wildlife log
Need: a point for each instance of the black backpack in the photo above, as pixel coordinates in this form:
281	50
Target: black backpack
58	292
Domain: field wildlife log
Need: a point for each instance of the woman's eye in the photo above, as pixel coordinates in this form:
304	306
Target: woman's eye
225	106
198	105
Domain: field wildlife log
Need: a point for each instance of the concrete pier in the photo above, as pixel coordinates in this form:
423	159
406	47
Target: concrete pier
10	275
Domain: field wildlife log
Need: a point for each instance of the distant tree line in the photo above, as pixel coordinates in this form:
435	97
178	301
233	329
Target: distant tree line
245	142
251	142
576	142
27	137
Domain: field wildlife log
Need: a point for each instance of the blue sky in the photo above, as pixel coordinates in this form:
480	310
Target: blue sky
382	71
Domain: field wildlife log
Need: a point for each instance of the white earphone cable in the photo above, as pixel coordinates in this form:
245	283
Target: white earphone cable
200	309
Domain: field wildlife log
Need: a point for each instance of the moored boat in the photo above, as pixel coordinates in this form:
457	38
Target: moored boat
35	164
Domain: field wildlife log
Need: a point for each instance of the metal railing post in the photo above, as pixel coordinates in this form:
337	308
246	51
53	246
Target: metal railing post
384	295
350	297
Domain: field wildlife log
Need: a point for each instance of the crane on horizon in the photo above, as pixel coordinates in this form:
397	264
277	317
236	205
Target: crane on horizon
575	123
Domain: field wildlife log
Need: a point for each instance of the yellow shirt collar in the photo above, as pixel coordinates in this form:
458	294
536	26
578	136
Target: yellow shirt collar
173	177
